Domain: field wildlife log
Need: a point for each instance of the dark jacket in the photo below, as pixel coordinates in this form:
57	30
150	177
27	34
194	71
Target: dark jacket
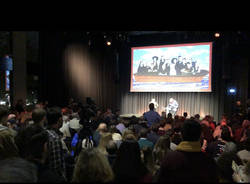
47	175
187	166
153	137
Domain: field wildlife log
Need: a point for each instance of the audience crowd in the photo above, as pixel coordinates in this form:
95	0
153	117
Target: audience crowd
82	143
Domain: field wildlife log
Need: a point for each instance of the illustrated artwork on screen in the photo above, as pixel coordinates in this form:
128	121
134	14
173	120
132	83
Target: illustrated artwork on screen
183	67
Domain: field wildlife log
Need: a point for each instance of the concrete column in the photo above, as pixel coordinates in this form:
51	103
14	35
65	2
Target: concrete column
19	87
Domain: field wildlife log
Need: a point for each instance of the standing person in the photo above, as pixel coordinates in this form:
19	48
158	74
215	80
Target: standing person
172	67
162	61
155	64
151	116
188	163
56	160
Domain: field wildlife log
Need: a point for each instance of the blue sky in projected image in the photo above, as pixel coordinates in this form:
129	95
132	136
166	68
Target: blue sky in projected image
197	52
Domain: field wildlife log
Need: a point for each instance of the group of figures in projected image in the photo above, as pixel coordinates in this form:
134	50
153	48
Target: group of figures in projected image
176	66
182	67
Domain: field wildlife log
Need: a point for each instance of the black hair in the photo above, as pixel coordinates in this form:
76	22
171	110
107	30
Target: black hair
24	137
17	170
111	147
143	132
151	106
53	115
3	112
191	130
225	133
129	167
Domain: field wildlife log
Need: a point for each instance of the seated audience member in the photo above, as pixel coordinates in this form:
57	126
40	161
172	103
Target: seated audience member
223	144
244	154
121	126
161	131
171	133
163	115
185	115
128	165
141	124
8	148
26	118
143	141
176	137
217	131
206	136
39	117
116	136
92	166
225	170
56	159
169	116
102	128
151	116
104	140
111	149
147	159
197	117
161	148
17	170
129	135
188	163
37	153
152	135
4	112
108	116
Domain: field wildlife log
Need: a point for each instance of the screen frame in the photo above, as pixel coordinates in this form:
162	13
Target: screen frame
210	43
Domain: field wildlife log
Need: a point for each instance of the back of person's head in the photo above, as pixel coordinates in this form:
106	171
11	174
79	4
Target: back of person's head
111	147
36	146
169	116
185	114
113	129
225	133
8	147
23	139
102	127
53	115
161	148
92	166
129	135
128	165
105	138
155	127
151	106
191	131
224	165
17	170
197	116
162	123
38	115
4	112
143	133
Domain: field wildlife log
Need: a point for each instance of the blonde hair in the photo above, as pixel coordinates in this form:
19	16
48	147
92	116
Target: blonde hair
104	140
92	166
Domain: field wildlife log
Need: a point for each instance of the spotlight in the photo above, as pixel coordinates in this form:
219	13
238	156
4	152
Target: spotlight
217	35
108	43
231	91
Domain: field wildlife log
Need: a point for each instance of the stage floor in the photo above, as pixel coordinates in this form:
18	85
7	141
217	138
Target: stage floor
130	115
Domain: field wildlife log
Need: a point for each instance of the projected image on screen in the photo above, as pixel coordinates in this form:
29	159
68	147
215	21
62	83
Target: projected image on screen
171	68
